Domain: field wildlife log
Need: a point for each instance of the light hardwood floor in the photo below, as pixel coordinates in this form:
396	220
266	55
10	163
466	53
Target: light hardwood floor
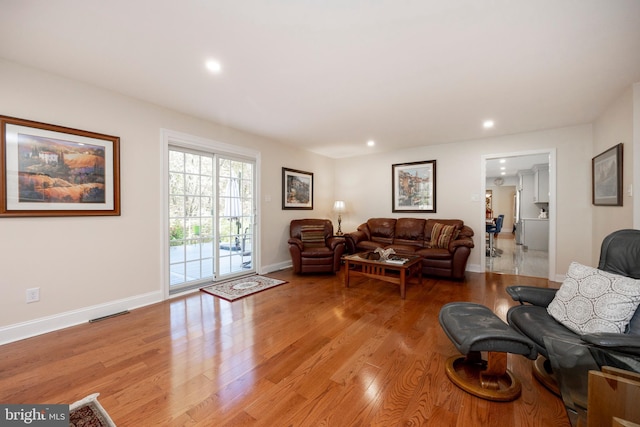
306	353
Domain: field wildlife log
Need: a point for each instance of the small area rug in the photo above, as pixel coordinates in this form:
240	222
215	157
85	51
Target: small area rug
243	287
88	412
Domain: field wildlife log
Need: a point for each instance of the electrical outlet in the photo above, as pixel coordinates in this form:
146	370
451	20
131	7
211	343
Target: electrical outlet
33	295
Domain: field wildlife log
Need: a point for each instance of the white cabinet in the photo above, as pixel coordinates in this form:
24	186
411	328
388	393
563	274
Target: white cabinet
535	234
541	184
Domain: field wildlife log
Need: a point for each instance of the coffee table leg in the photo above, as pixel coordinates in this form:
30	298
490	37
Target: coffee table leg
403	277
346	274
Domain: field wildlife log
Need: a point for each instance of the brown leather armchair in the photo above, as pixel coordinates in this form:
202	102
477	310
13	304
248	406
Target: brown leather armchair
313	247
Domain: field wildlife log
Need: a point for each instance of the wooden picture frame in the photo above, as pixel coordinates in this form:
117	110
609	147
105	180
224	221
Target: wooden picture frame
297	189
50	170
606	177
414	187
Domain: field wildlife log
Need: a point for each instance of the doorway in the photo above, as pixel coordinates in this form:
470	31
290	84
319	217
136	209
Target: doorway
509	182
210	212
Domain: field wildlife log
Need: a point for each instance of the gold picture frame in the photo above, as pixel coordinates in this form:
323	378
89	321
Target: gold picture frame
50	170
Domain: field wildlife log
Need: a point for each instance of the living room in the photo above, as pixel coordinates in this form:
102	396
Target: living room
37	95
124	268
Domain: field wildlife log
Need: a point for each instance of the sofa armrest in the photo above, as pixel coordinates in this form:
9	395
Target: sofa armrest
541	297
352	240
461	241
334	241
296	242
617	342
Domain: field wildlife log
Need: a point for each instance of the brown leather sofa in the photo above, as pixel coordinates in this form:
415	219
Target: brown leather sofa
319	254
413	236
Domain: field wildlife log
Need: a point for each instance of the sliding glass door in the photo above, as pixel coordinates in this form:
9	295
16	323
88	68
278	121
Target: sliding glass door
211	214
235	215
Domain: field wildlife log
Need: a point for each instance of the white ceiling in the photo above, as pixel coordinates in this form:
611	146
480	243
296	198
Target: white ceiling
329	75
512	165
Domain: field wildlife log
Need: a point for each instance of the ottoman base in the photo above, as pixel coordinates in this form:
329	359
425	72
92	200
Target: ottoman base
486	379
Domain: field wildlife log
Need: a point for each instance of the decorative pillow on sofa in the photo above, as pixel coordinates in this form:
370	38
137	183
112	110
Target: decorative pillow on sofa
592	300
312	236
442	234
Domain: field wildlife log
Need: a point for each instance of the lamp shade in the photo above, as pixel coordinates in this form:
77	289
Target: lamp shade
339	206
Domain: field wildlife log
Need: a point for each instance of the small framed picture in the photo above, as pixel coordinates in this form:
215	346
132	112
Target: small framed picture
297	189
606	172
49	170
414	187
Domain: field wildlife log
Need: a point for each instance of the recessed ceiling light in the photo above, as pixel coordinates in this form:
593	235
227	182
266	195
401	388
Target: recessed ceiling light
371	143
503	160
503	173
214	66
488	124
502	168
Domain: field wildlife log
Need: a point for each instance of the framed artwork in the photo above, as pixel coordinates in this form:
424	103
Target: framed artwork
606	177
414	187
50	170
297	189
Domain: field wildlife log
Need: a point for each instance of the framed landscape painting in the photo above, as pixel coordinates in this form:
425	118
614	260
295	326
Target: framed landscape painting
414	187
297	189
606	170
50	170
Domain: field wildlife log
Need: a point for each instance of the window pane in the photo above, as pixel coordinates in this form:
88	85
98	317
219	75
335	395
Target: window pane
176	206
176	161
192	184
192	206
206	166
206	206
192	163
176	183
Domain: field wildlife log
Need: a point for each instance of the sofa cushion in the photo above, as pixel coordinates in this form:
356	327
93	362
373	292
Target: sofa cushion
441	235
592	300
410	229
312	236
382	229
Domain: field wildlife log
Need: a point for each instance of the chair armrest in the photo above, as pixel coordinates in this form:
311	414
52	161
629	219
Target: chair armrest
461	241
618	342
356	236
532	295
352	240
334	241
296	242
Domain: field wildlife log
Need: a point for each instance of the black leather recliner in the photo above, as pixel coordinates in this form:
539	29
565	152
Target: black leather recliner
619	254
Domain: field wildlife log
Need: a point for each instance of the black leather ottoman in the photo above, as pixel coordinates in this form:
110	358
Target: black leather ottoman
473	328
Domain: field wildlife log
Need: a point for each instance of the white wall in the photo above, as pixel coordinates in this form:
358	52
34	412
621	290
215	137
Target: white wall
614	126
366	185
88	267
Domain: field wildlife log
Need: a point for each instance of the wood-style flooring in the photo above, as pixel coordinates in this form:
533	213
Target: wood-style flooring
306	353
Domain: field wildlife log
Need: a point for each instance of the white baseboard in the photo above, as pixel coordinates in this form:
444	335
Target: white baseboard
275	267
474	268
20	331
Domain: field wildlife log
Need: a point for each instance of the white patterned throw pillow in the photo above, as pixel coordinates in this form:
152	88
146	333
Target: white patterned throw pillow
592	300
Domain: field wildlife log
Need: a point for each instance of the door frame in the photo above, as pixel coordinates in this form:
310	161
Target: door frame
551	274
174	138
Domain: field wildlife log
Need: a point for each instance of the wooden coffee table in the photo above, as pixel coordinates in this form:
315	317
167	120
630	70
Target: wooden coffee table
361	265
